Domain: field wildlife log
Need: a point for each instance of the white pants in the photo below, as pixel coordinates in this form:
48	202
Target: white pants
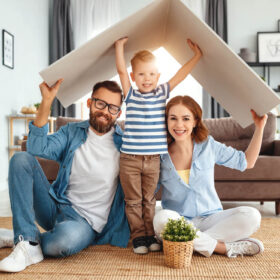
225	226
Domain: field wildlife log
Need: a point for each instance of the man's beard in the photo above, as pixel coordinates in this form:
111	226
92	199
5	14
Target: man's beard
100	126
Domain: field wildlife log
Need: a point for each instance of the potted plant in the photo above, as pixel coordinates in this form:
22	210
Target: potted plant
37	105
178	236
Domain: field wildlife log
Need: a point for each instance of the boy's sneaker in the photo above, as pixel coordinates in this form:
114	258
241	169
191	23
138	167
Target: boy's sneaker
22	256
153	244
140	245
248	246
6	238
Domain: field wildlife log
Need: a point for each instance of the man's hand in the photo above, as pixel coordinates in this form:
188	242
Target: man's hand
195	48
259	121
49	93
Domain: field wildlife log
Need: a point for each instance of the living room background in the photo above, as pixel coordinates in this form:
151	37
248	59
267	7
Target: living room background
28	21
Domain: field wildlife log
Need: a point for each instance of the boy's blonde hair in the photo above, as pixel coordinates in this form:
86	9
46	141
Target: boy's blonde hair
144	55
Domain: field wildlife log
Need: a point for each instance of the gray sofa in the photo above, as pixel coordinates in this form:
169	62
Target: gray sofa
262	183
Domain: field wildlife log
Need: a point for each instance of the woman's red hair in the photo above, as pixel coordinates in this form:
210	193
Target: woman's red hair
200	131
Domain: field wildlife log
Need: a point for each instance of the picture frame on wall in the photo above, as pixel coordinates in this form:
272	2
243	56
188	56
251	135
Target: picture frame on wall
268	44
7	49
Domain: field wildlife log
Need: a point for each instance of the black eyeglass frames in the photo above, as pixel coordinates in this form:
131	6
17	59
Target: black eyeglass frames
101	104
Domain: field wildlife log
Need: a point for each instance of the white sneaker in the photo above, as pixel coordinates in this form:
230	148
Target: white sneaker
6	238
22	256
140	246
248	246
153	244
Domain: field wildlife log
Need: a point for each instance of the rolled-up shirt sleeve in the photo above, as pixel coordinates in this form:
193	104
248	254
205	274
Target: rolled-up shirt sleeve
229	156
39	143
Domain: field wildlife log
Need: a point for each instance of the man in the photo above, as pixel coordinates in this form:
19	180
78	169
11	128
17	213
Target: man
85	205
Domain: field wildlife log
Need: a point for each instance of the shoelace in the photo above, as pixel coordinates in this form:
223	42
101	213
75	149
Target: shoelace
239	248
139	241
151	240
20	247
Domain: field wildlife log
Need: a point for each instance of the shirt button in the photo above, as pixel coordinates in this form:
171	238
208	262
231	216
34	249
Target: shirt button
64	166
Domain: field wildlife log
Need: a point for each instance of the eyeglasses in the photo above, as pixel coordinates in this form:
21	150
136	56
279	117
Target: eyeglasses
101	104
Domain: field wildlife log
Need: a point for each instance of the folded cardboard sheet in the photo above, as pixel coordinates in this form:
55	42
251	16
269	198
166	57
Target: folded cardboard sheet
166	23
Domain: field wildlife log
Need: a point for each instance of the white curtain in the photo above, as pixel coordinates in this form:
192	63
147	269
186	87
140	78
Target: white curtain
90	17
197	6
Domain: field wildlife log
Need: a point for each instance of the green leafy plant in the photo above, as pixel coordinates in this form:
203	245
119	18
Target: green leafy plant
37	105
179	230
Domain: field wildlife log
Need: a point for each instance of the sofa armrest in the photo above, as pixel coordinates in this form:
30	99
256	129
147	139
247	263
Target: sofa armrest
276	151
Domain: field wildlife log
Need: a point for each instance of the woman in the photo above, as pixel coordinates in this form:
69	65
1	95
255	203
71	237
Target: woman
187	178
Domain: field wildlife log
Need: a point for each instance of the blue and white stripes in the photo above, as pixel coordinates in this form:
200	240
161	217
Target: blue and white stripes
145	131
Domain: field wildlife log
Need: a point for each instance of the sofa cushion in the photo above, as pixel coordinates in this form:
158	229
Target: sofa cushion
228	131
248	190
266	169
50	168
61	121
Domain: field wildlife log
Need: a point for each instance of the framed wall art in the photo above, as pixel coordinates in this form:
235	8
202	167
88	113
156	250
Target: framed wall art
8	49
268	47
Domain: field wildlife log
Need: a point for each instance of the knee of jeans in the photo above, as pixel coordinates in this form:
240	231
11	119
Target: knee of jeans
161	218
62	246
66	240
57	248
133	202
251	216
255	217
20	160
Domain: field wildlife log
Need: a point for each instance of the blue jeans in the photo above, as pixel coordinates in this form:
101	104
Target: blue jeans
66	231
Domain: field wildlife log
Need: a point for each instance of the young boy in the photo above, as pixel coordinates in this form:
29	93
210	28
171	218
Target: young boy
144	138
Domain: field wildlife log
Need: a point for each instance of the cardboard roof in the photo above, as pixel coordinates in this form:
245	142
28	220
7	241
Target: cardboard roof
221	72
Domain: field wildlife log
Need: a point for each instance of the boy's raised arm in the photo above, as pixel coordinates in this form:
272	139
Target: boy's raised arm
120	64
187	67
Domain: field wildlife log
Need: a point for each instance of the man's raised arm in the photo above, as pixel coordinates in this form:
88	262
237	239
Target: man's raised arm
48	95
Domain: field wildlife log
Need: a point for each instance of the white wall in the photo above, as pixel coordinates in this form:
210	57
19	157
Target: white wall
28	21
129	7
245	19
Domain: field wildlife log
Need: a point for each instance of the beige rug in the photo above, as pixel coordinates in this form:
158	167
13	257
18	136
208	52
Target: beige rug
107	262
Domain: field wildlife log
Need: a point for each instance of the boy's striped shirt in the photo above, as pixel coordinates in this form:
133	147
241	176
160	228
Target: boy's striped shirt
145	129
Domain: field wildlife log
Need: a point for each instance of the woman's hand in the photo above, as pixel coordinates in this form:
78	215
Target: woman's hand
254	147
259	121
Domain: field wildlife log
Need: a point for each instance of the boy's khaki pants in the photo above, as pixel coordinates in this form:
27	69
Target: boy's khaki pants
139	176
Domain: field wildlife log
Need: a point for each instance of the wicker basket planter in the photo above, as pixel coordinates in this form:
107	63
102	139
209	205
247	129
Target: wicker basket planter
177	254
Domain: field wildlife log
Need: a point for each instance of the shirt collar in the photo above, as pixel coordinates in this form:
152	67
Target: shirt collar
197	148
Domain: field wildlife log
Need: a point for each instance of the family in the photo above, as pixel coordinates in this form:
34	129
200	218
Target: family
105	189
